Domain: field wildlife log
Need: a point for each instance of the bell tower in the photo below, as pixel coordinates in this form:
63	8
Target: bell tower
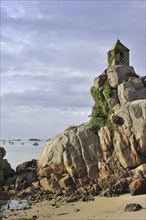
118	54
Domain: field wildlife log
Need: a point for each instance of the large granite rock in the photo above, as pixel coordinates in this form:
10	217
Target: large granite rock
106	158
126	150
131	90
76	151
99	81
138	186
113	100
137	110
118	74
134	123
85	156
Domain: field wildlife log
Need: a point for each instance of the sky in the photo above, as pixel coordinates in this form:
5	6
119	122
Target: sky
51	51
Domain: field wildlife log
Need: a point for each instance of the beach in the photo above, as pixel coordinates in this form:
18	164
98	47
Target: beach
101	208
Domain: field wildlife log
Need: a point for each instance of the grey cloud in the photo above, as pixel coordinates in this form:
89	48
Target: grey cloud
60	47
64	23
63	97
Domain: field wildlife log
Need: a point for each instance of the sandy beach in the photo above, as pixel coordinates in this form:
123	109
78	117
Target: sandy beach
101	208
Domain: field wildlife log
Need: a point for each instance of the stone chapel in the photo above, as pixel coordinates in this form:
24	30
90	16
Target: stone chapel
118	54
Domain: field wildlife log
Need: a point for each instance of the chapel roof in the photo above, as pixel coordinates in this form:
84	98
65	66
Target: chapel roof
119	45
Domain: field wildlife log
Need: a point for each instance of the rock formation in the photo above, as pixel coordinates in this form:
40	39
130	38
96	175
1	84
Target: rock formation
106	155
5	168
107	151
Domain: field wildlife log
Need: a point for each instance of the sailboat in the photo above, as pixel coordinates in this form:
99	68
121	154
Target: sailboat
10	142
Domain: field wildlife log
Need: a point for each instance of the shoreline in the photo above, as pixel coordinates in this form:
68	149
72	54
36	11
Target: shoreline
100	209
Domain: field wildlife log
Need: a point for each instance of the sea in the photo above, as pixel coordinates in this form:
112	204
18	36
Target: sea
18	152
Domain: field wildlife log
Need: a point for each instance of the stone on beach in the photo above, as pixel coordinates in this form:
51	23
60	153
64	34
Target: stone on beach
133	207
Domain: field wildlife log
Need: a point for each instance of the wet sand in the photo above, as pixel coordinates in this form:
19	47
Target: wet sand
101	208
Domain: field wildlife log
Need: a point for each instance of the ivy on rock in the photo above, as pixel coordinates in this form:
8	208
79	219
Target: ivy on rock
101	111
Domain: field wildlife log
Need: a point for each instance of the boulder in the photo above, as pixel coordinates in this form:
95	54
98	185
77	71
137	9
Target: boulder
99	81
52	154
135	172
113	100
76	152
133	115
126	150
131	90
26	165
138	187
5	168
24	176
132	207
118	74
2	152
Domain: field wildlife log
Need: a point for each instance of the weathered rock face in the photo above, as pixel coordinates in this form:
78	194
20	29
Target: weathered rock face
99	81
105	142
25	175
86	158
107	158
126	150
134	125
118	74
76	152
131	90
5	168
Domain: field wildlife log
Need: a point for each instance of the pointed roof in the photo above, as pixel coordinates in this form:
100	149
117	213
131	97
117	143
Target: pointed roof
118	45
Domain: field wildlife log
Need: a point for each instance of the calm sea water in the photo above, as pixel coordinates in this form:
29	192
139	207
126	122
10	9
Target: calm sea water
18	153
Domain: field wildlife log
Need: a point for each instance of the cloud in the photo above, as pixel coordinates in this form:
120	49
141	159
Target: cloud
56	97
51	53
26	122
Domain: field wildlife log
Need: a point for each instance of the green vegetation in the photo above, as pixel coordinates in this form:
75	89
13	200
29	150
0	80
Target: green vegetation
107	92
110	57
101	111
